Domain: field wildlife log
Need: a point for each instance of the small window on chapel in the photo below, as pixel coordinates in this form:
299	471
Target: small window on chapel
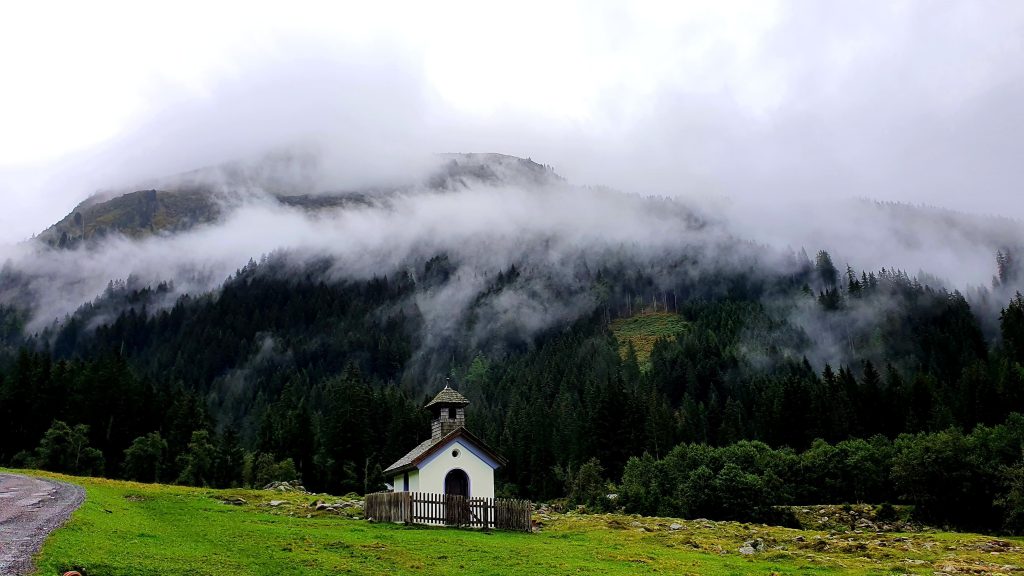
455	453
451	413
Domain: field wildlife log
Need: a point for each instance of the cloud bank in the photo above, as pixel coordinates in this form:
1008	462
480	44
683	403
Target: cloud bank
775	122
776	102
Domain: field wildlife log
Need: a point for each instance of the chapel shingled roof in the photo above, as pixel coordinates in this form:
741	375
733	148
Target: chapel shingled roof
406	461
427	447
448	396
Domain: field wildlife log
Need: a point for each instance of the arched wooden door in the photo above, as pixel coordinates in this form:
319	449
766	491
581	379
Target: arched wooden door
456	498
457	483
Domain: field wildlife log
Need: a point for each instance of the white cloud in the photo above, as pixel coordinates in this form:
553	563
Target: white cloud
784	100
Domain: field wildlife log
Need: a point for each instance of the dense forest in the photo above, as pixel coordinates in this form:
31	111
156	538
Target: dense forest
287	372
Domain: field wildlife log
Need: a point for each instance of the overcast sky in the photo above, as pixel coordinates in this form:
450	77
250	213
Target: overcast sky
761	102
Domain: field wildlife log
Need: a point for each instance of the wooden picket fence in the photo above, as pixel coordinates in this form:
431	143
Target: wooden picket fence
449	510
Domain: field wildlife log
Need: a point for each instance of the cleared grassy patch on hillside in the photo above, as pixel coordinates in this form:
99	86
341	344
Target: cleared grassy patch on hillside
643	330
147	530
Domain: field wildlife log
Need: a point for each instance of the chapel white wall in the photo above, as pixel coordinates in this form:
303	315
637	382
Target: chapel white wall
431	476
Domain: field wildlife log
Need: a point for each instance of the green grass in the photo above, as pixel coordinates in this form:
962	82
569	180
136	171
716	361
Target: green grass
147	530
643	330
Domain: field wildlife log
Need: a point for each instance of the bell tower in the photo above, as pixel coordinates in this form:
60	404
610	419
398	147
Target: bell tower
448	412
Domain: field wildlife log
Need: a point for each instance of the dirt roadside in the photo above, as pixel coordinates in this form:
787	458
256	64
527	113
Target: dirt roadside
31	508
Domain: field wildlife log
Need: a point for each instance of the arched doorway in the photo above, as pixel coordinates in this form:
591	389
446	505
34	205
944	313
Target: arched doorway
456	483
456	498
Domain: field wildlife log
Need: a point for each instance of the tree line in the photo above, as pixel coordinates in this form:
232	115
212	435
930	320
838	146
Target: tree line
966	480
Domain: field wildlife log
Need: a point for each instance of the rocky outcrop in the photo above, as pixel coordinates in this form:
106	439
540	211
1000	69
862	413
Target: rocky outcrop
855	517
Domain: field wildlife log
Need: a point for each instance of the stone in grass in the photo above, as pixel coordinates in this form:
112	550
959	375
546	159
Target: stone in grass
292	486
751	546
276	503
675	526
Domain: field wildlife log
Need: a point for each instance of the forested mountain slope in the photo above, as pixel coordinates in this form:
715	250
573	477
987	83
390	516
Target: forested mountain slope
315	359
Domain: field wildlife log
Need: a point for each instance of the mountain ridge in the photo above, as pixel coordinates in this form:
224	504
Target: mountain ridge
203	196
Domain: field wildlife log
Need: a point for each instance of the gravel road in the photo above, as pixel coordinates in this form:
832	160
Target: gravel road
31	508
